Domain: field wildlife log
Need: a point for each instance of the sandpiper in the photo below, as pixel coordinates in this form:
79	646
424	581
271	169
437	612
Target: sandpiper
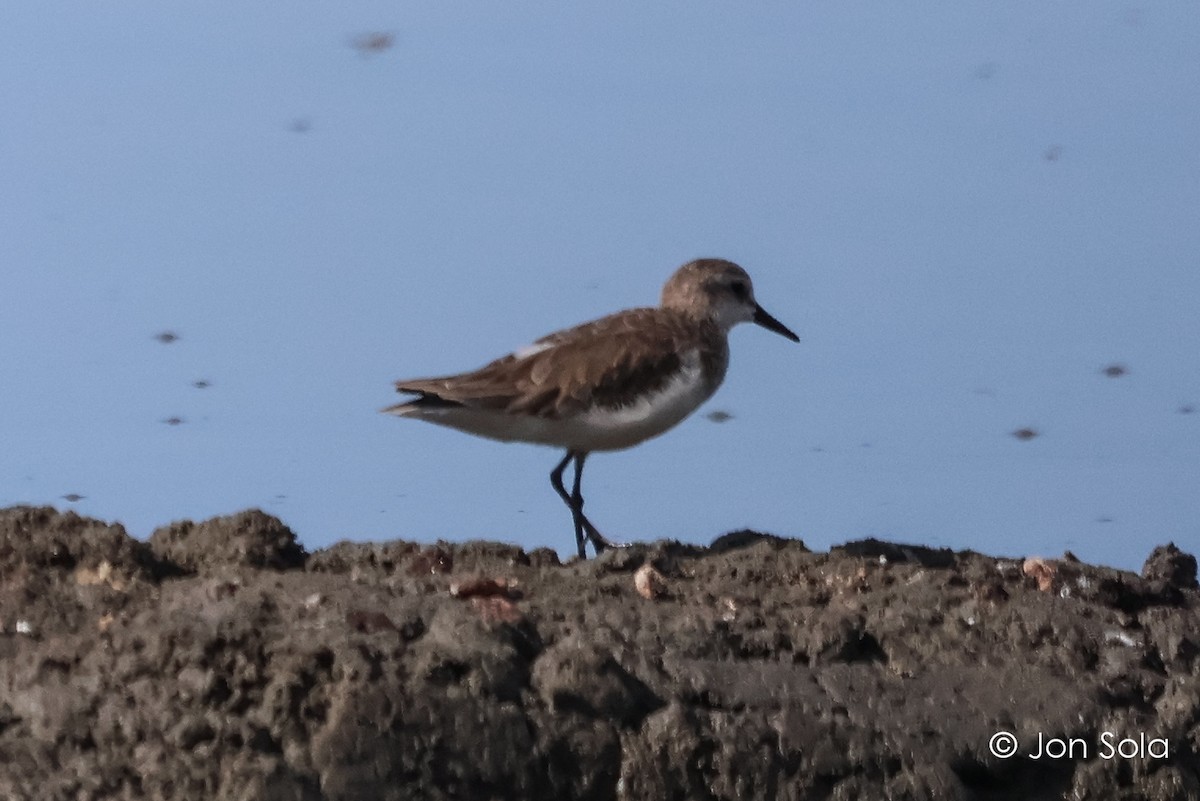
605	385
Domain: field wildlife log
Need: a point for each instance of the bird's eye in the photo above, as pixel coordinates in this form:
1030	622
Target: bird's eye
739	289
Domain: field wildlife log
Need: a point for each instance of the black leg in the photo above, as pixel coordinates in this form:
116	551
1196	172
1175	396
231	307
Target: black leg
576	511
574	502
598	540
581	520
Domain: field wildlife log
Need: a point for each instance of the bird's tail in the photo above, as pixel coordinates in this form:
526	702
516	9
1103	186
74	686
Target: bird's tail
424	402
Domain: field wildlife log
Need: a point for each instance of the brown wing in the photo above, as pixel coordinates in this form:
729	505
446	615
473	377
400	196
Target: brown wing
599	363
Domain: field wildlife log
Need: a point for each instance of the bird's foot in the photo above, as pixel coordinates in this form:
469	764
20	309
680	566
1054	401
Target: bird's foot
598	540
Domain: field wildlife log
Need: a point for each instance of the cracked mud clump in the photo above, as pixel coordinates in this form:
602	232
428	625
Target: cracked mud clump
219	660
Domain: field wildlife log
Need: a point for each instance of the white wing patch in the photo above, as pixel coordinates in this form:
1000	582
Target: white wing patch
530	349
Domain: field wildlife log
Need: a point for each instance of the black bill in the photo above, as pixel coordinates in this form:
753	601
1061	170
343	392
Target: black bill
771	324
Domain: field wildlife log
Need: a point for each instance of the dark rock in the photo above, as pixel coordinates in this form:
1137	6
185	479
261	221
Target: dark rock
895	552
746	538
37	538
578	676
1171	566
375	557
247	539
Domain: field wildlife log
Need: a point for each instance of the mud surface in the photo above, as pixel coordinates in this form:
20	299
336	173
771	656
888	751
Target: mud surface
219	660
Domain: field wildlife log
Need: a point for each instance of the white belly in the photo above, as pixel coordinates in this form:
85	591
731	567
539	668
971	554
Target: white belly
650	415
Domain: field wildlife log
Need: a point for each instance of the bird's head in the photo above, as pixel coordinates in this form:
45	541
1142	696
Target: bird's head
721	291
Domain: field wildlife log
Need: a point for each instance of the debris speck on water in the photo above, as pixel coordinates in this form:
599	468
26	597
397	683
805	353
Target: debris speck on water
1115	370
374	42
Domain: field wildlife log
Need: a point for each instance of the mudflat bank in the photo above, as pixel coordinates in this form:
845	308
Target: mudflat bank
220	660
